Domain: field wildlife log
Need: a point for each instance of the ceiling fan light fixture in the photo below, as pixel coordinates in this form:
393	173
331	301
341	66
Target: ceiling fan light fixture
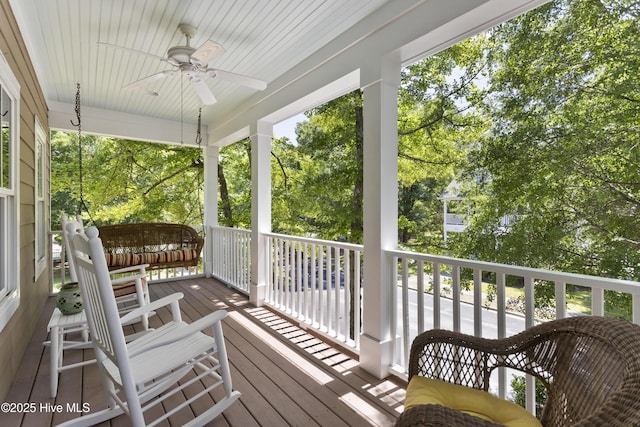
189	70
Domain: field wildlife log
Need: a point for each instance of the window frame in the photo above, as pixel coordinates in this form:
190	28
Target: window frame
40	190
9	204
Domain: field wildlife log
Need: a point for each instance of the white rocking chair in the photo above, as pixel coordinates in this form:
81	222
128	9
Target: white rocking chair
143	373
129	283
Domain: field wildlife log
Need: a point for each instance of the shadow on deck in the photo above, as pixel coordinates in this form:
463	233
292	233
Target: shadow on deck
287	376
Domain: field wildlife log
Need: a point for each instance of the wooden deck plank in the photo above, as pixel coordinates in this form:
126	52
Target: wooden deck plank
256	368
322	352
286	375
24	382
354	377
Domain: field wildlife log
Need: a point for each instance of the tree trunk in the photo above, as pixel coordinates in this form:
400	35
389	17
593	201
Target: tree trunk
224	197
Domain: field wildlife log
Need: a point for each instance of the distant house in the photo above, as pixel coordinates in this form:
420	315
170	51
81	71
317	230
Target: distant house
453	214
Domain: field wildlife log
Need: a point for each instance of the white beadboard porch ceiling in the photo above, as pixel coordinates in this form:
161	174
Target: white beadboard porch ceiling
262	38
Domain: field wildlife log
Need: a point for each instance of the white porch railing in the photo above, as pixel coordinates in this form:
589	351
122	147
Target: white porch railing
318	282
231	249
430	294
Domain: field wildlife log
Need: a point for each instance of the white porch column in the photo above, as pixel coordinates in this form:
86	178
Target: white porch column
210	155
261	135
380	84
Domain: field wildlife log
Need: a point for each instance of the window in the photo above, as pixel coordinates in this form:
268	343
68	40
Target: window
40	208
9	225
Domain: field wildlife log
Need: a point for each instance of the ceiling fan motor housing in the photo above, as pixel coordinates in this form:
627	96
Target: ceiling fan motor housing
180	54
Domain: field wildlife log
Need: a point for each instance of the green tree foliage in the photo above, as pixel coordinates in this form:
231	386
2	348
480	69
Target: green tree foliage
126	181
65	196
563	151
331	143
234	178
436	123
518	384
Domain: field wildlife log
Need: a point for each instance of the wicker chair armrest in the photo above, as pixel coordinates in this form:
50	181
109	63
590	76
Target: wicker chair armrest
199	244
454	357
468	360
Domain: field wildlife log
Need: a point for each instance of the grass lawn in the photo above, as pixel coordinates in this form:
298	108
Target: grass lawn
577	301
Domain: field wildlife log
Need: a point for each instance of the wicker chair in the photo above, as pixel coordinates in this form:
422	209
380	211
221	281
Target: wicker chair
590	367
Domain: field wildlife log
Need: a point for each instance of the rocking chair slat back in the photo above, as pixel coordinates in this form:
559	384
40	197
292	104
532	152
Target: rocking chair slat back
99	307
103	318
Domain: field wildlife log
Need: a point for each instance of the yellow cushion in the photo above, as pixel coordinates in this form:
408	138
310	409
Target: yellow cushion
481	404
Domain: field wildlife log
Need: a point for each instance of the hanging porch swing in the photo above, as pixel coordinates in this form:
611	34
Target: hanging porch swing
160	245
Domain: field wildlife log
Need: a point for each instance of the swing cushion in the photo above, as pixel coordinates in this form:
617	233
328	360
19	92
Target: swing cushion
125	260
179	255
478	403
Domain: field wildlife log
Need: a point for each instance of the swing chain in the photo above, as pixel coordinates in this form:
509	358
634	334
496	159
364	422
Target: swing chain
198	133
79	126
81	202
77	108
200	163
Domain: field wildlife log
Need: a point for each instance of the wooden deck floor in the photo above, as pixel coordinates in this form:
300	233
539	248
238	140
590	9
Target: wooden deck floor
287	377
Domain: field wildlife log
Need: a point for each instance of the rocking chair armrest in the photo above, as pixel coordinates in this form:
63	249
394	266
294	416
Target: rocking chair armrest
171	300
207	321
139	267
187	330
127	279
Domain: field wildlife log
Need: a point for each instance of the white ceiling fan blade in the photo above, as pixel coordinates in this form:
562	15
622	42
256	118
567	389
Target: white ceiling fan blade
126	49
149	79
203	91
238	78
207	52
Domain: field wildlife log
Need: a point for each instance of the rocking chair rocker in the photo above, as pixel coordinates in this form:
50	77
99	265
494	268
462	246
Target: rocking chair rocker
145	372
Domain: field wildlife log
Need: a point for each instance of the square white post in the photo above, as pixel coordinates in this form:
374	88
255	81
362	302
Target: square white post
261	135
380	83
210	155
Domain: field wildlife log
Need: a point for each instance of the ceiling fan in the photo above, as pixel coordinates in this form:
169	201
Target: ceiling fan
194	64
